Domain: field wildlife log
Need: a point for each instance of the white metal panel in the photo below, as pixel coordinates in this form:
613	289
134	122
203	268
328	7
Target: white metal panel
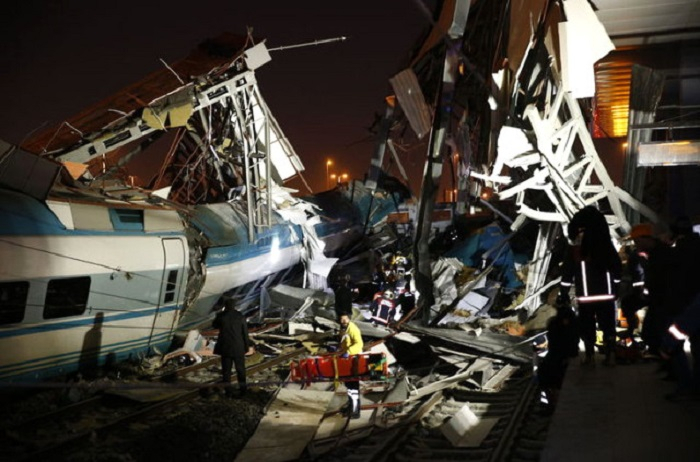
161	220
91	217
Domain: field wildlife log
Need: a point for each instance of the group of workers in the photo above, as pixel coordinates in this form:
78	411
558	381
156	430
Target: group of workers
659	274
393	296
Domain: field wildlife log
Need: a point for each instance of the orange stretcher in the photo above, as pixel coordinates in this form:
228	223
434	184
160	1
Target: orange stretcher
363	366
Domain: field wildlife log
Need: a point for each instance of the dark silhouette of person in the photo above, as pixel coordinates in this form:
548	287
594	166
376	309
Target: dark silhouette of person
594	268
657	280
90	353
233	344
343	296
633	296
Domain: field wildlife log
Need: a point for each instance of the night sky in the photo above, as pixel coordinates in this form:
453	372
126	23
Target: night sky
59	57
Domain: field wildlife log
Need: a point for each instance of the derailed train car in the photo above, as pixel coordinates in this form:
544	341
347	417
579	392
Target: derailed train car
85	282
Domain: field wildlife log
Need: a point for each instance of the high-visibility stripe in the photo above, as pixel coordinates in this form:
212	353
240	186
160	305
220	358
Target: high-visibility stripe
607	278
638	284
594	298
565	284
585	279
677	333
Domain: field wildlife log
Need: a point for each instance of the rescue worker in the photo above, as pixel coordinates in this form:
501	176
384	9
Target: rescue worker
233	344
384	308
594	267
351	344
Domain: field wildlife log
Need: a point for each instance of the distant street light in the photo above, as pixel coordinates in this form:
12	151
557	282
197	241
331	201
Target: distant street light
344	177
328	164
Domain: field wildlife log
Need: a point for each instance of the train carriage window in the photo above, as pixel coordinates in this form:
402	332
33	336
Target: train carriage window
13	301
170	287
126	219
66	297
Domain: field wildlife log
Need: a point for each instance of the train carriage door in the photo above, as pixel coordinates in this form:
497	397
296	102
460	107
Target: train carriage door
171	293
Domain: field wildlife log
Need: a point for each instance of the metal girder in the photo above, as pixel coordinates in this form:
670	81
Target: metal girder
130	127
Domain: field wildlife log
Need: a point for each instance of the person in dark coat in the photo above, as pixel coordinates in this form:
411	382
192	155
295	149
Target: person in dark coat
233	344
593	267
343	296
658	273
633	295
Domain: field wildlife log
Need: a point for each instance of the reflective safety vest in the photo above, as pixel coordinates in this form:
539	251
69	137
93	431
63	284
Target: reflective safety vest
593	284
383	311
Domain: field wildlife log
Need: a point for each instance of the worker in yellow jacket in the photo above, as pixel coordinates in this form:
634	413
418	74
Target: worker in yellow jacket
351	344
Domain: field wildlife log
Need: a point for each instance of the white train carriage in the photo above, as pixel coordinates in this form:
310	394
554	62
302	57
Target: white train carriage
85	283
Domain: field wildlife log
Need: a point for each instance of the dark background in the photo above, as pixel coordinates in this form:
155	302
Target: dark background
59	57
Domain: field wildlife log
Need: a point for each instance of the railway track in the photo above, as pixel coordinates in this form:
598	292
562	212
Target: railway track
518	434
56	434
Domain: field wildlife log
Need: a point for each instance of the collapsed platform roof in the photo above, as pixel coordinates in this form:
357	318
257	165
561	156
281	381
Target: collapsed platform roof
214	55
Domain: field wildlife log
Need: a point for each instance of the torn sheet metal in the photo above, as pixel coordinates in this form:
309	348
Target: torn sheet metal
444	272
501	345
294	297
479	365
